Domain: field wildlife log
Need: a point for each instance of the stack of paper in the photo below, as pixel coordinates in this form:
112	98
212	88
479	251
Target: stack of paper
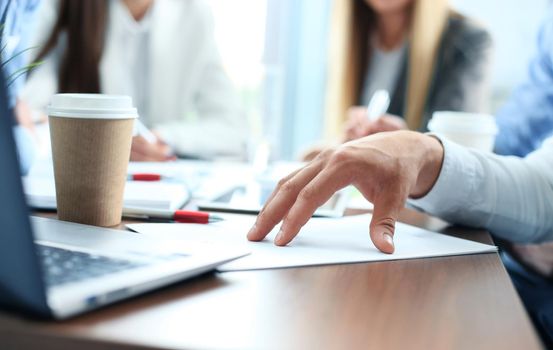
322	241
206	180
41	194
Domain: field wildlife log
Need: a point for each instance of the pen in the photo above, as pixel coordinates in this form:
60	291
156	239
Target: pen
380	101
145	132
145	177
182	216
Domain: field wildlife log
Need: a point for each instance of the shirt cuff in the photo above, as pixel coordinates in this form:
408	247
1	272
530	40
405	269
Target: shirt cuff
454	185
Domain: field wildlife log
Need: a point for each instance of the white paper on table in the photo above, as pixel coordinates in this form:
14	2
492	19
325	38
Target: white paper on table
41	194
206	180
322	241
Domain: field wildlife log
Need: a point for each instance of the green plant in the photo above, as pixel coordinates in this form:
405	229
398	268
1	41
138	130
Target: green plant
21	71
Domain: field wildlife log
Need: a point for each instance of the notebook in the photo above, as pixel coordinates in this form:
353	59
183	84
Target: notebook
41	194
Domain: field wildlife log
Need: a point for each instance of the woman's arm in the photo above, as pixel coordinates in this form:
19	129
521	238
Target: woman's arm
220	127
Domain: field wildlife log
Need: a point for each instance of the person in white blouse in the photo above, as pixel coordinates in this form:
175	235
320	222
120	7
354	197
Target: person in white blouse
160	52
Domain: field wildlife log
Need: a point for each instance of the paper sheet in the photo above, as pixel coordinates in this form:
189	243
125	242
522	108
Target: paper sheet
206	180
322	241
41	194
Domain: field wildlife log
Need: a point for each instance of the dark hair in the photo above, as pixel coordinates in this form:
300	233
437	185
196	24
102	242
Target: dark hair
84	24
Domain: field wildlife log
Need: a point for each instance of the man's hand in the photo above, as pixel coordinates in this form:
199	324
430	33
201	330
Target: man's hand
386	168
143	151
358	124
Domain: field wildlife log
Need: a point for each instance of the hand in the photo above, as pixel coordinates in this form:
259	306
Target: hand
538	257
359	125
313	151
386	168
143	151
24	115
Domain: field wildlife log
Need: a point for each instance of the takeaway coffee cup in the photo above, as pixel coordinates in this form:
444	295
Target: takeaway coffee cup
91	138
468	129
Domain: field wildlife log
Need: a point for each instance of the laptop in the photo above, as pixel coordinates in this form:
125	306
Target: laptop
58	269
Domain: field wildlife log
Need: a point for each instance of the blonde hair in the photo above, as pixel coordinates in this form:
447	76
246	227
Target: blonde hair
349	38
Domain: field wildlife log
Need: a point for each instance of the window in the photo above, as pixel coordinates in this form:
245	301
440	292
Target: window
275	51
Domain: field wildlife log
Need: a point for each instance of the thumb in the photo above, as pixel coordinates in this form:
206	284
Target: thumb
383	222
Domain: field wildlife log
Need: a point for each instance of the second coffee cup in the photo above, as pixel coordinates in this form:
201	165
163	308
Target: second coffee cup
474	130
91	137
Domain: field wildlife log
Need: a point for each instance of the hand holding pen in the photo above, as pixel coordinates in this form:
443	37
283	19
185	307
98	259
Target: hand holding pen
364	121
149	147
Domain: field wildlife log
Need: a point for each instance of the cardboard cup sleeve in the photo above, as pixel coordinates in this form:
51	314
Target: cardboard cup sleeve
90	166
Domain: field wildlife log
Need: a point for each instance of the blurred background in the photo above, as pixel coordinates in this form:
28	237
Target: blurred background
282	84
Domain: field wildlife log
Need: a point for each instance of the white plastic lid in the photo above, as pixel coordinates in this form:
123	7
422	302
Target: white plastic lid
92	106
462	122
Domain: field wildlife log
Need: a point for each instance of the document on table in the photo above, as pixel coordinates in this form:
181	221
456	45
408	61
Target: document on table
41	194
209	181
322	241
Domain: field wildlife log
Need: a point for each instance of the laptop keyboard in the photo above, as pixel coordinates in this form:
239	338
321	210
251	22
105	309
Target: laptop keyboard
63	266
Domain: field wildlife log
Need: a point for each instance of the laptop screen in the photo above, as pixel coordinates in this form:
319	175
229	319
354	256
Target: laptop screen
20	275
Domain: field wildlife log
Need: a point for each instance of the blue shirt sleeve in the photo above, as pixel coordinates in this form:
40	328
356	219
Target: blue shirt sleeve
17	27
527	118
16	21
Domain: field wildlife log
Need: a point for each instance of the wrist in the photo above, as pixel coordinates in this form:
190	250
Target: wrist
431	164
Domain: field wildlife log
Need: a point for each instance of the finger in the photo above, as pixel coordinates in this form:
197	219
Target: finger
387	206
278	186
140	157
355	132
139	144
315	194
361	116
372	127
357	113
153	152
158	152
383	124
349	135
281	200
310	155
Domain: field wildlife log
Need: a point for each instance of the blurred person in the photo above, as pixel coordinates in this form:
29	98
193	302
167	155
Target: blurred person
16	18
524	123
162	53
425	55
527	117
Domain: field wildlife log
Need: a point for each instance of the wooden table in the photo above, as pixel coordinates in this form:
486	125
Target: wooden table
465	302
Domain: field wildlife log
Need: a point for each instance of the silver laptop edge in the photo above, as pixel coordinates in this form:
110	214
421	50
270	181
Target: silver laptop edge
74	298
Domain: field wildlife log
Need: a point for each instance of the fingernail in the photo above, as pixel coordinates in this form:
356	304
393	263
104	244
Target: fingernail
279	236
388	238
252	230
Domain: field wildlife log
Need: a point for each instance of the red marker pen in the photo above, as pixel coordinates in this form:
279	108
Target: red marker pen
182	216
145	177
